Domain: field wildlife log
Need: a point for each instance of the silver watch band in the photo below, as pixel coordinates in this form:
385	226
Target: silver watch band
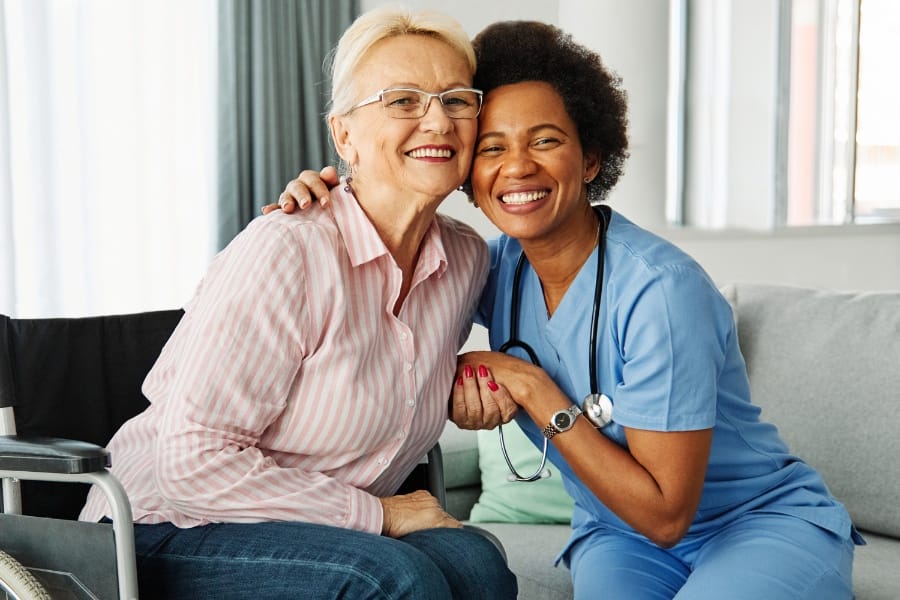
552	428
549	431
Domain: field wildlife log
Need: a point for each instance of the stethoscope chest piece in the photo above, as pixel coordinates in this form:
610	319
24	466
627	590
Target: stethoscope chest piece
598	409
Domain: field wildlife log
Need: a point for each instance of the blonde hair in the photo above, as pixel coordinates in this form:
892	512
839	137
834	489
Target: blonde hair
380	24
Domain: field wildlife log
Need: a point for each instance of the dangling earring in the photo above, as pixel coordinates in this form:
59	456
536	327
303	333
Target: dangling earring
348	179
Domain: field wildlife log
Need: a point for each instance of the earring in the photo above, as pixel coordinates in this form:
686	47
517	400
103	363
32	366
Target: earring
348	180
587	179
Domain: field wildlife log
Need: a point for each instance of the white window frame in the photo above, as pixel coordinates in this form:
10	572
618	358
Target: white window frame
743	120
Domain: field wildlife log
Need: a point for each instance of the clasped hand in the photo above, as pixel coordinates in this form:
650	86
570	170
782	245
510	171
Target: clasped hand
479	401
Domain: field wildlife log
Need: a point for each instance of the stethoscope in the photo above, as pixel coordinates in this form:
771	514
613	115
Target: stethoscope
597	407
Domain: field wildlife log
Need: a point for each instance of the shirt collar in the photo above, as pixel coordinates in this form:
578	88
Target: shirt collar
360	237
365	245
433	257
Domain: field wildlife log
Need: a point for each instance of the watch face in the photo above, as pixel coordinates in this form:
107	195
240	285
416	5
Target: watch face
562	420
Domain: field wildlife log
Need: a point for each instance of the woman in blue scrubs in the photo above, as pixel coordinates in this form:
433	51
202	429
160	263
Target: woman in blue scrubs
686	493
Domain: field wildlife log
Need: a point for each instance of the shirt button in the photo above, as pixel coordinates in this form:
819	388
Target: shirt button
382	460
409	366
401	435
411	402
403	335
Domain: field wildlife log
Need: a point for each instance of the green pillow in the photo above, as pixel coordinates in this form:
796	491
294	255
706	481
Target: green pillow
504	501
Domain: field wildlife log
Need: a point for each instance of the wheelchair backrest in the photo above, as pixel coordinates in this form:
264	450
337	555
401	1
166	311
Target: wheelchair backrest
77	378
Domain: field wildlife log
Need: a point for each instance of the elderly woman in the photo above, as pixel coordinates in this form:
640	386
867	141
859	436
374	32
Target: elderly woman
640	395
267	463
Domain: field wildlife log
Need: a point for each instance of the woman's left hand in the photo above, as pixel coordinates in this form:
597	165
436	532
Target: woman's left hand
419	510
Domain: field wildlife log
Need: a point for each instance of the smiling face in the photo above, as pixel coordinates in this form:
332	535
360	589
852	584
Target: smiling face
427	157
529	167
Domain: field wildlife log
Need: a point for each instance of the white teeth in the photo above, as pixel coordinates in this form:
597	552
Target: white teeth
522	197
430	153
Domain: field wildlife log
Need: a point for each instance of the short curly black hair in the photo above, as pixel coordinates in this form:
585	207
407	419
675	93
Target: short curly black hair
511	52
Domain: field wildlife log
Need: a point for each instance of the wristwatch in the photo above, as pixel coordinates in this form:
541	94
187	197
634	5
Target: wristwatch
562	420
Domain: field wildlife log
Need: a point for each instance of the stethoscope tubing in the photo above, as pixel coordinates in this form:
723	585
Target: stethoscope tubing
515	342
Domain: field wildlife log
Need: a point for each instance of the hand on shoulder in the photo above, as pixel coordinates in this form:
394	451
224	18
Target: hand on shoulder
308	187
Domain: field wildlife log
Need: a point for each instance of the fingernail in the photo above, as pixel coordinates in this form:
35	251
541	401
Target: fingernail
468	371
459	381
304	203
482	371
493	386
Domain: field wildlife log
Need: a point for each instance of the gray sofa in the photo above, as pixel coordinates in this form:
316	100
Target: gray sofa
825	368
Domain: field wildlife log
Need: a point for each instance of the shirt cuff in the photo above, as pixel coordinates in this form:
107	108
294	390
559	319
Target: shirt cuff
364	512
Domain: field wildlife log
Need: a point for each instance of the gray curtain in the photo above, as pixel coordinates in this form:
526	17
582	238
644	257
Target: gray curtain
272	99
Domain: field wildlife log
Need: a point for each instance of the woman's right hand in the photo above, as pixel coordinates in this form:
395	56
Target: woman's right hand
308	186
407	513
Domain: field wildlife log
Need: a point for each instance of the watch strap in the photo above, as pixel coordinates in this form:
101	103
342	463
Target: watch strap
551	429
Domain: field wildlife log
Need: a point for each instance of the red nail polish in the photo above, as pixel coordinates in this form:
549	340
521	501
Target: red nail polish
459	380
482	371
468	371
493	386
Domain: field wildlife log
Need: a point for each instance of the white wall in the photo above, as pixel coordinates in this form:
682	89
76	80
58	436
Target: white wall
864	257
632	38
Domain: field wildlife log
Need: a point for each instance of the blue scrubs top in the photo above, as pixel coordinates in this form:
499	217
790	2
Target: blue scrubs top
668	357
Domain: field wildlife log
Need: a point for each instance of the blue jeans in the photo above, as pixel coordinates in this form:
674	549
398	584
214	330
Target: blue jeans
303	560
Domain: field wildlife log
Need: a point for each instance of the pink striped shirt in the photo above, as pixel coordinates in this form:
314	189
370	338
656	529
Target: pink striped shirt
290	391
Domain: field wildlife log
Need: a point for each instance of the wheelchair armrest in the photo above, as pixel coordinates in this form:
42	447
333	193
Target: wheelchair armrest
39	454
436	475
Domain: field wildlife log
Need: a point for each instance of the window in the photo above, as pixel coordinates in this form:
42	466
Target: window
877	169
107	154
787	113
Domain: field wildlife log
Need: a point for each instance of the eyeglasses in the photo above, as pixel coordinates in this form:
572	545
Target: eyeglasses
410	103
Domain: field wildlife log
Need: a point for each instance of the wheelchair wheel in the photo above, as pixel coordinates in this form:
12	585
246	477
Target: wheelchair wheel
16	583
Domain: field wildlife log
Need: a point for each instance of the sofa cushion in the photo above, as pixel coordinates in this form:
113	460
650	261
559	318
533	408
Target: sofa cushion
530	550
825	368
504	501
875	573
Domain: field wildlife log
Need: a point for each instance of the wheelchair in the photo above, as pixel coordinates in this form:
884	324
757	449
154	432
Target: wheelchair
66	386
